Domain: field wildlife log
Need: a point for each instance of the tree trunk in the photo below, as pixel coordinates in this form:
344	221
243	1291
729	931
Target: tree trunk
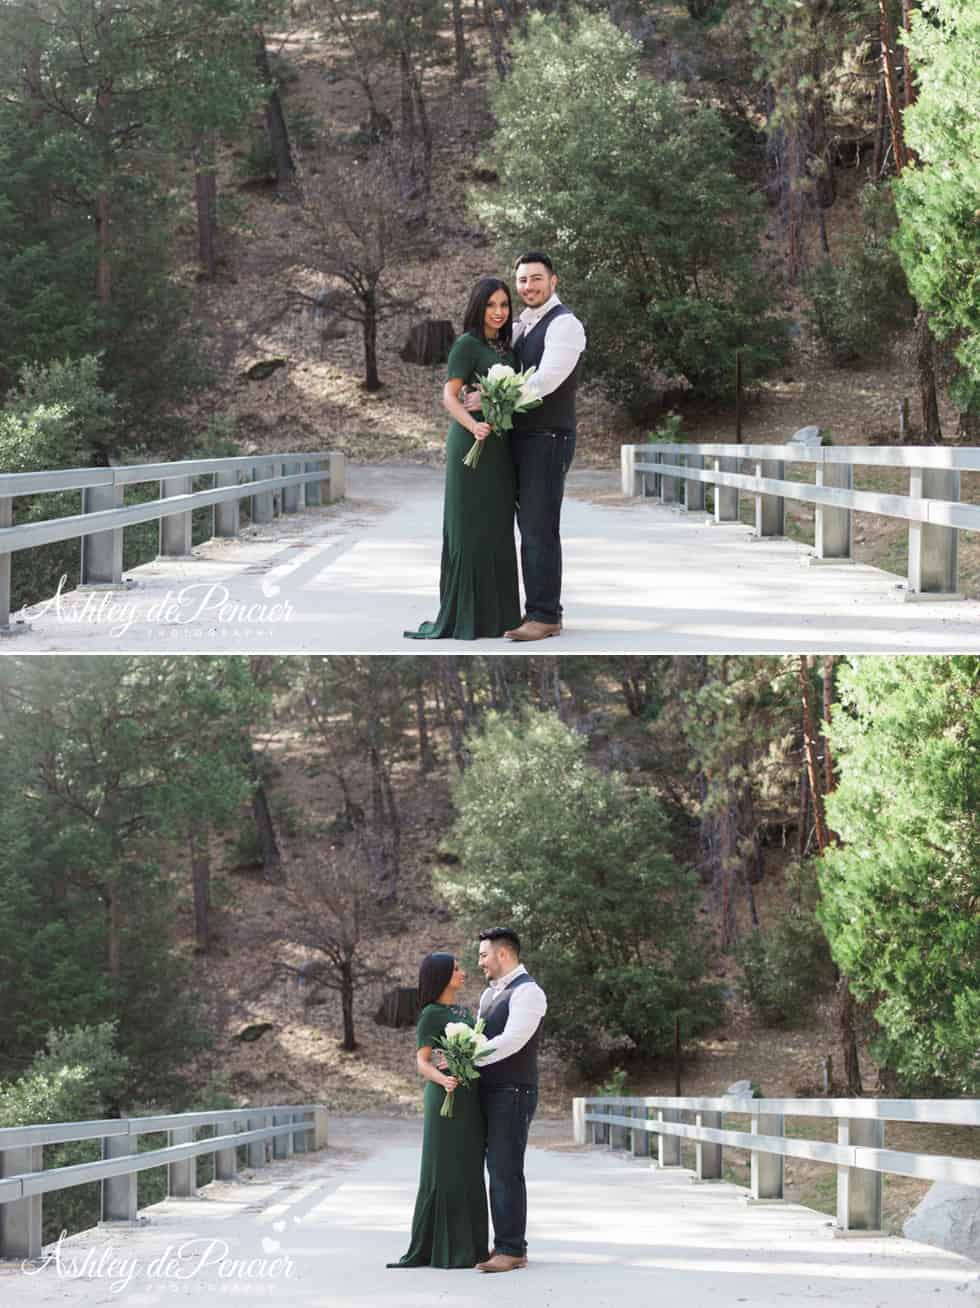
881	131
427	759
496	39
908	79
925	363
810	747
275	119
829	664
262	815
348	1044
848	1036
197	843
451	694
459	40
891	90
206	191
114	924
407	101
372	382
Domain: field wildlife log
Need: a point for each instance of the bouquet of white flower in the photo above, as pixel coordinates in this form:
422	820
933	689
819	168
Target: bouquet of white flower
504	392
463	1045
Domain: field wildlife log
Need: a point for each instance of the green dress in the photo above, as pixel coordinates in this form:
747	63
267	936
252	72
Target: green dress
450	1227
478	594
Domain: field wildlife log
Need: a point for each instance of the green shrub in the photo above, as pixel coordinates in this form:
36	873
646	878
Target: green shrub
858	306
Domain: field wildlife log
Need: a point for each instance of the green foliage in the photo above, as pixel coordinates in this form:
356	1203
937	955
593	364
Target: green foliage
900	893
632	190
615	1085
859	305
581	867
669	430
938	197
57	416
785	968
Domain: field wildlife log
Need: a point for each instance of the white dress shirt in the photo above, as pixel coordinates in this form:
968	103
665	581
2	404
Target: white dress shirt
564	341
528	1006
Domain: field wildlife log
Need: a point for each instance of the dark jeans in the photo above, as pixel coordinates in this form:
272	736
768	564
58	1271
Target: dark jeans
541	458
508	1109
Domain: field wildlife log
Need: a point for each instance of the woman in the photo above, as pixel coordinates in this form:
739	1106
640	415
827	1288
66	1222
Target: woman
478	595
450	1226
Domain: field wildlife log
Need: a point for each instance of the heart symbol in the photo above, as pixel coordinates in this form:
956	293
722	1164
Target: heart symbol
279	1226
269	1246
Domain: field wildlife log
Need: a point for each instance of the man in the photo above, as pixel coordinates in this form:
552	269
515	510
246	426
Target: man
512	1007
547	336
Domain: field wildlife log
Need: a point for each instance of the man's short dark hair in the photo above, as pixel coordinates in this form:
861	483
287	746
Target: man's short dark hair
535	256
506	934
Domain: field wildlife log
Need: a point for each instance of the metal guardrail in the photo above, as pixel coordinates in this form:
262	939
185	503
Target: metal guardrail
23	1179
679	473
859	1154
100	524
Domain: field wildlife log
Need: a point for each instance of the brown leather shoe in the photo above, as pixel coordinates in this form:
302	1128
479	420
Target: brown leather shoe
501	1262
531	629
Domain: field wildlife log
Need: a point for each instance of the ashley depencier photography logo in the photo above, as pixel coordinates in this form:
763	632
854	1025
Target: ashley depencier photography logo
198	602
186	1262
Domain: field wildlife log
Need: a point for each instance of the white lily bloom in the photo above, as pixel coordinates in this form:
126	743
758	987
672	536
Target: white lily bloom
498	371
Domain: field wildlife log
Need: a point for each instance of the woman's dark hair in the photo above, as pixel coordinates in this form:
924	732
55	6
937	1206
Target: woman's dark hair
475	316
434	975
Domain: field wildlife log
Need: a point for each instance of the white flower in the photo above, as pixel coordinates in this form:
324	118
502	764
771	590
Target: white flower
479	1040
499	371
454	1029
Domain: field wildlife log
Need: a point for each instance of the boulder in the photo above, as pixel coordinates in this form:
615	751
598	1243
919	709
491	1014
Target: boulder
744	1090
429	342
264	368
254	1032
399	1007
807	436
949	1218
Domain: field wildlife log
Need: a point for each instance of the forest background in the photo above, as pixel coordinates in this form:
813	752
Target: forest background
219	875
220	220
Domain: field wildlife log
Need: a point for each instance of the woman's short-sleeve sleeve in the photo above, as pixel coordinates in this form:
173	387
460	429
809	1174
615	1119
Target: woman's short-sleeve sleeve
462	358
431	1024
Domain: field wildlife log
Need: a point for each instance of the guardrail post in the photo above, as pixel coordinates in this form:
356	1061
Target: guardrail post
298	1135
858	1190
226	1160
933	562
641	1137
767	1169
770	510
633	483
282	1145
668	1146
6	520
693	490
261	504
337	485
833	528
119	1193
182	1176
668	484
319	1128
311	489
708	1164
726	497
20	1219
226	514
175	530
600	1130
256	1148
102	551
578	1121
290	494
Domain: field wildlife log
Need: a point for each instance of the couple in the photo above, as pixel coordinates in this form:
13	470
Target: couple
523	470
490	1118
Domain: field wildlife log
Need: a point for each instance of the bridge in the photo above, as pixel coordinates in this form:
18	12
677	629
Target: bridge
299	1223
647	569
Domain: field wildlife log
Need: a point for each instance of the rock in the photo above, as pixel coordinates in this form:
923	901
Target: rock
949	1218
264	368
255	1031
807	436
399	1007
744	1090
429	342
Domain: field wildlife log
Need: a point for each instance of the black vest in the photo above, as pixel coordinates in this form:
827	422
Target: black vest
557	410
521	1068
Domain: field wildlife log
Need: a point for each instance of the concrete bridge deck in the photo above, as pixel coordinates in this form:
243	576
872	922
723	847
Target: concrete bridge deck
639	578
605	1231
